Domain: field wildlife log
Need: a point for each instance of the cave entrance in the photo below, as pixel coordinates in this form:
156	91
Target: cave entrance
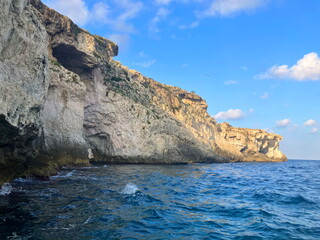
72	59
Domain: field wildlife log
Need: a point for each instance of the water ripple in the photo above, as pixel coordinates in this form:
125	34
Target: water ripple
198	201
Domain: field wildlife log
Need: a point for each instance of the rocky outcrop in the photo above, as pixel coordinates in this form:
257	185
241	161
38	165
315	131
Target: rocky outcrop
75	48
254	144
64	100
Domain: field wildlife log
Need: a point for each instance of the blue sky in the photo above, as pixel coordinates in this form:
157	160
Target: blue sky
255	62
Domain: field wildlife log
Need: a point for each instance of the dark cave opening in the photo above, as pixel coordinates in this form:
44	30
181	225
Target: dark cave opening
72	59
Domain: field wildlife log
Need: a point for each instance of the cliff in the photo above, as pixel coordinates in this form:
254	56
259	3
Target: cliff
64	100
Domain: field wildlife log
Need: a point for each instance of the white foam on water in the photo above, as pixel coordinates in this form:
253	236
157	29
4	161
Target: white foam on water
71	226
24	180
92	167
5	189
14	236
130	189
87	221
69	174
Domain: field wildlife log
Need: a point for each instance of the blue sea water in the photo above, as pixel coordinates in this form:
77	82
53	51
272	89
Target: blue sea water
196	201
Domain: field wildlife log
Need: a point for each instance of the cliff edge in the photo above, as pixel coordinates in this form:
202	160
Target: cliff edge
64	100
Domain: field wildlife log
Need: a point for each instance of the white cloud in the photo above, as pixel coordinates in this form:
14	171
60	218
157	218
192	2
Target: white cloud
145	64
314	130
142	54
100	12
231	114
165	2
130	10
231	82
310	122
79	12
244	68
76	10
190	26
230	7
122	40
307	68
265	96
283	123
161	14
269	130
251	110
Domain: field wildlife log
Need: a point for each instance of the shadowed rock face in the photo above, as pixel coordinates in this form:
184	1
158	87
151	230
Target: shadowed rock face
66	101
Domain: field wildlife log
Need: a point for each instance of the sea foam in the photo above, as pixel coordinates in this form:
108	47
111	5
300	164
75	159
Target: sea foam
5	189
130	189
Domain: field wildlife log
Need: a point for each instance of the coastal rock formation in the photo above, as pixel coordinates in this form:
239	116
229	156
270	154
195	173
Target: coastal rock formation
64	100
254	144
24	80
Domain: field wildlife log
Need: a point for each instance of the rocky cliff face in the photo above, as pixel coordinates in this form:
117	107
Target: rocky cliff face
65	101
24	80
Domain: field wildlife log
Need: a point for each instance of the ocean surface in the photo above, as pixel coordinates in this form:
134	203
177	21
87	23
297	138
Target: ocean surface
197	201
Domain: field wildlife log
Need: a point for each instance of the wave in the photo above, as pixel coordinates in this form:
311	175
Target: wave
71	226
298	199
152	214
24	180
87	221
69	174
167	202
130	189
90	167
5	189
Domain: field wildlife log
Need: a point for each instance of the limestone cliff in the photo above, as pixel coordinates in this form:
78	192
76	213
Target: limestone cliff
64	100
24	80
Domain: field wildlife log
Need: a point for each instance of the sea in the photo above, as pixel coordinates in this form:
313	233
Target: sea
195	201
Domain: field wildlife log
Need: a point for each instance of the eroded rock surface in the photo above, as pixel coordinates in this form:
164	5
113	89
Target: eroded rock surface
254	144
66	101
23	84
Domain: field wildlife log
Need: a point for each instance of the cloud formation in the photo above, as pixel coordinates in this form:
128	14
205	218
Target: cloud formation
314	130
142	54
283	123
306	69
165	2
231	114
264	96
161	14
231	82
310	122
230	7
130	10
122	40
76	10
145	64
190	26
100	12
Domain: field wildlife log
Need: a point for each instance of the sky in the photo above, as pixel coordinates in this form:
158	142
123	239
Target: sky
255	62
